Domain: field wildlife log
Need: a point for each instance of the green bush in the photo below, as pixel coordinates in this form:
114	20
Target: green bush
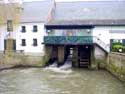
117	46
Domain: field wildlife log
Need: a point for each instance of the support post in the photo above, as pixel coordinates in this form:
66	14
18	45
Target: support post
54	52
93	64
61	53
75	57
48	52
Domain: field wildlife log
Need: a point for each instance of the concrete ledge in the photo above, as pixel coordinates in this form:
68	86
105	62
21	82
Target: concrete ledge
116	53
21	60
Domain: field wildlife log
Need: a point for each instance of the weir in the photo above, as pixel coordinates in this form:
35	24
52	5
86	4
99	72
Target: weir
67	64
65	68
70	55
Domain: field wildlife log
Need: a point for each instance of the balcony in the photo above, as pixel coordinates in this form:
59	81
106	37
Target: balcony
72	40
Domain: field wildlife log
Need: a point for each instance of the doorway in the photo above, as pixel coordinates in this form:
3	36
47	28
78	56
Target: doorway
84	55
13	45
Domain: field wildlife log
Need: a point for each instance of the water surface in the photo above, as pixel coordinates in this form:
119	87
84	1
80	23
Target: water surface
43	81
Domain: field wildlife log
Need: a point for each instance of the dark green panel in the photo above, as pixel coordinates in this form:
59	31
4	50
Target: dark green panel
68	40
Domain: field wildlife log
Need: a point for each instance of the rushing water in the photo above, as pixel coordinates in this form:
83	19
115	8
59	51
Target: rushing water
66	68
45	81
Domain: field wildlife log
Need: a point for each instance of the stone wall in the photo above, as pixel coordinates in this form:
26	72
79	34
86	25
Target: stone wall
61	54
99	57
116	65
21	59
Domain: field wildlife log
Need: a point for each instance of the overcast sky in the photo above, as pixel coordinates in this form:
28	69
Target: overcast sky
76	0
61	0
6	1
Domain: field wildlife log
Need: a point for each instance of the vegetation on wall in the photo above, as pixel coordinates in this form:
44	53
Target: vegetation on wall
116	65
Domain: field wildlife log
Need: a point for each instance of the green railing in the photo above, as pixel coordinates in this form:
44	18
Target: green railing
68	39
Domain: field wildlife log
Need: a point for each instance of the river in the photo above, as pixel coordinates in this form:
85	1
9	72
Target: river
43	81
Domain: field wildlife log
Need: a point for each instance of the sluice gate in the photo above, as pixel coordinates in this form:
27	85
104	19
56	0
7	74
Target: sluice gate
79	55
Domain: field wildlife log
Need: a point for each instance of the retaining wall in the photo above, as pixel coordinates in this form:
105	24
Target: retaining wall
116	65
21	59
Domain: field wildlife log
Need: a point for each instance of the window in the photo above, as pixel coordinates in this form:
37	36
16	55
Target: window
9	25
34	42
120	41
23	42
117	40
35	28
23	29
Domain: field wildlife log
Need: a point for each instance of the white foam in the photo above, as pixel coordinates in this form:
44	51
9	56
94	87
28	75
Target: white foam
66	68
67	65
58	70
54	65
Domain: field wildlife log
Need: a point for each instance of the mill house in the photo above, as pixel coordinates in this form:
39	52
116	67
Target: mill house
82	31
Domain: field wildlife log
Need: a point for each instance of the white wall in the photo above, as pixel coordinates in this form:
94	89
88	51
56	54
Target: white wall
102	32
118	35
2	36
29	35
99	53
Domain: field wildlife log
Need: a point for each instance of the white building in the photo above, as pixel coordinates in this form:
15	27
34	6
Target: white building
29	33
106	17
85	30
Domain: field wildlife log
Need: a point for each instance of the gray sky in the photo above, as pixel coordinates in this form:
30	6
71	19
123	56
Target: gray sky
76	0
6	1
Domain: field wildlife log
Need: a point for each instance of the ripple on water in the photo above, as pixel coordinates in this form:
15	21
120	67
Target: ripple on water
47	81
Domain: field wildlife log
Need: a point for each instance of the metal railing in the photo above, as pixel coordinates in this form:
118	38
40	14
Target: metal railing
98	41
76	40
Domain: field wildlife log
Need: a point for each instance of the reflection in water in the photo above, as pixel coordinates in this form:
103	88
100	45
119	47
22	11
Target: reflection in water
41	81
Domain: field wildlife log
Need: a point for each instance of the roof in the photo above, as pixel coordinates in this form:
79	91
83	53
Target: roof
89	12
105	22
36	11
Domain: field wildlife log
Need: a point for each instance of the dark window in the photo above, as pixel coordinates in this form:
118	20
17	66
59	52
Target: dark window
23	29
34	42
35	28
23	42
117	40
9	25
111	44
123	42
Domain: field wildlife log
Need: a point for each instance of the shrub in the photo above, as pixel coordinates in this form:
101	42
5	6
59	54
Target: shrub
118	47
